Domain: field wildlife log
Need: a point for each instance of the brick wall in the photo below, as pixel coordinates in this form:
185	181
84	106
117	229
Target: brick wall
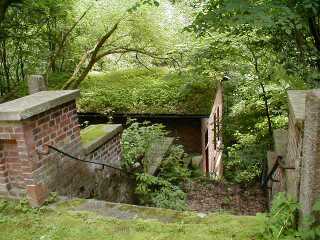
109	184
212	135
58	127
108	153
29	168
16	169
21	163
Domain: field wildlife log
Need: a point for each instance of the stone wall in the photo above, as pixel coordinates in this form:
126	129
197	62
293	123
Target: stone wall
300	172
293	159
310	169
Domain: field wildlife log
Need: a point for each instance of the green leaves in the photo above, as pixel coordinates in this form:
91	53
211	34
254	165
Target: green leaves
160	193
281	222
136	140
282	218
140	3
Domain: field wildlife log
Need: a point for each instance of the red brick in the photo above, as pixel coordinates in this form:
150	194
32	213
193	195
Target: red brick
37	194
53	135
56	114
19	136
61	137
46	139
44	120
36	131
8	129
18	130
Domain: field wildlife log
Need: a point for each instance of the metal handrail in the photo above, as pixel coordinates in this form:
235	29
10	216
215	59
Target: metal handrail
276	165
86	161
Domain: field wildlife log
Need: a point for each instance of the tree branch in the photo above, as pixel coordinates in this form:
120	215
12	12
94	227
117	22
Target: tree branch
64	39
73	81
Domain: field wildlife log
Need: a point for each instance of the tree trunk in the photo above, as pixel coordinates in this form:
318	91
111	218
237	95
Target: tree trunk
83	75
315	31
4	4
73	82
5	66
59	50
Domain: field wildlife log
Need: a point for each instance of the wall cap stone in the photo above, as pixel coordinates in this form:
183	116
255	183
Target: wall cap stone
31	105
95	136
297	103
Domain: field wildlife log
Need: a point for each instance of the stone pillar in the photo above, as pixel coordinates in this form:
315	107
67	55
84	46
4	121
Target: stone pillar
36	83
310	170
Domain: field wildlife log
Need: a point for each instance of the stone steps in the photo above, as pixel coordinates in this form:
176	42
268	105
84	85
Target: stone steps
126	211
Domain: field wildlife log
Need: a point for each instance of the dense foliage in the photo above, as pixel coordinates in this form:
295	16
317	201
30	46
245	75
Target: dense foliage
282	221
136	140
263	48
147	91
77	36
166	56
164	188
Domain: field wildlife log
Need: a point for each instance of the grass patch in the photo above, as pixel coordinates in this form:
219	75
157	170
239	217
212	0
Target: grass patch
63	224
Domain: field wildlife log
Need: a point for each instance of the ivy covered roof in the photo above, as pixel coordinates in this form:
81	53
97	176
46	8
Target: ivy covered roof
155	91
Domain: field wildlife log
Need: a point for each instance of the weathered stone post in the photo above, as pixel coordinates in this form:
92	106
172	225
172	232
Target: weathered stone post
310	170
36	83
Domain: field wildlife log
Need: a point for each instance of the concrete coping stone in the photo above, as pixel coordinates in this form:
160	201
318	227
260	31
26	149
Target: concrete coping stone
94	136
31	105
297	103
156	153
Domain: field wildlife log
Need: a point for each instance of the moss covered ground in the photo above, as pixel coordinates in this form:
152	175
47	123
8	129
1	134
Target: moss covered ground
21	223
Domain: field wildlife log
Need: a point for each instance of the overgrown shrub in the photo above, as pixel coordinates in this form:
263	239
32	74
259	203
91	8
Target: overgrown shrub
244	162
138	90
158	192
281	222
162	190
137	139
173	167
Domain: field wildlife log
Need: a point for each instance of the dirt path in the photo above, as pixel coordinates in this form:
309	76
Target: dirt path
215	196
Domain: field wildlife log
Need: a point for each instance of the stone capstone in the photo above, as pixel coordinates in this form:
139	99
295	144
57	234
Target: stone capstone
95	136
31	105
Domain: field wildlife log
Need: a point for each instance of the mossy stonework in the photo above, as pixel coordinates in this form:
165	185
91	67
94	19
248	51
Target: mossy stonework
99	221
